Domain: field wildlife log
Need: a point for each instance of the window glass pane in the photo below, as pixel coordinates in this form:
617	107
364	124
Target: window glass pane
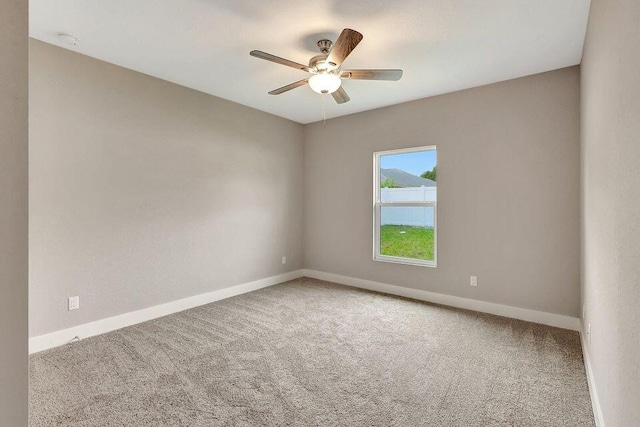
408	177
407	232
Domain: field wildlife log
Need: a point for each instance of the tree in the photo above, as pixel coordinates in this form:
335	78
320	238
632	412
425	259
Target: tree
389	183
430	174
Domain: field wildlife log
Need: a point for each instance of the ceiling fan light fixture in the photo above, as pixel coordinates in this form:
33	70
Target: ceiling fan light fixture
325	83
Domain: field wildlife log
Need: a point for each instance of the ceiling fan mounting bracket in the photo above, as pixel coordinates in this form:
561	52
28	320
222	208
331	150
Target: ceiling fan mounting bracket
325	45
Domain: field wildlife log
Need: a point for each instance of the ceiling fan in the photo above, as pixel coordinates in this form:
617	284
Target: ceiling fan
326	68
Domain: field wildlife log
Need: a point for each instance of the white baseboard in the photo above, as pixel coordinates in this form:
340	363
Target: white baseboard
593	391
57	338
551	319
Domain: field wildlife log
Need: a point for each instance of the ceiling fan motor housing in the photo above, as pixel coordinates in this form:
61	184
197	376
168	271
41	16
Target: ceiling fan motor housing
319	62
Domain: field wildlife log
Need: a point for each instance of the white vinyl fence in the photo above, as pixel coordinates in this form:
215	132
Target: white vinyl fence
422	216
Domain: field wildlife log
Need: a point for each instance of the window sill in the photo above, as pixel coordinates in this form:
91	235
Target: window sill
407	261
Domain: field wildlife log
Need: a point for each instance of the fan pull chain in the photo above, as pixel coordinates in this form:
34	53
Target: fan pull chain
324	113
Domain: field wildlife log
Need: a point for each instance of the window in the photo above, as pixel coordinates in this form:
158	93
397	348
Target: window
405	206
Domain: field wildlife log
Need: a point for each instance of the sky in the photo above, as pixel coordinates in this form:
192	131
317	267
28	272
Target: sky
414	163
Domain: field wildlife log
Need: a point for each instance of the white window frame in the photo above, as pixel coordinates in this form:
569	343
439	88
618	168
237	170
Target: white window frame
378	205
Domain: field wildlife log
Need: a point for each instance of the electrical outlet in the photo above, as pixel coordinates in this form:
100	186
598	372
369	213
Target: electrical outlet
74	303
284	260
589	332
473	280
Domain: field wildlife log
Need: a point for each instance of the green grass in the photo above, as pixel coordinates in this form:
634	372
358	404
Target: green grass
407	242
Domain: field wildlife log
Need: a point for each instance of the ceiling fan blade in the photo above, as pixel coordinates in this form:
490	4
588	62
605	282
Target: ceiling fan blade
289	87
268	57
347	41
340	96
371	74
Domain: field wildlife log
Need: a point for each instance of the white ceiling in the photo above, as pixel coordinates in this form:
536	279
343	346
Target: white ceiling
442	45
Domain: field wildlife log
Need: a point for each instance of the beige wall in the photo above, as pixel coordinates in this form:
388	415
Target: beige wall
611	205
13	212
144	192
508	188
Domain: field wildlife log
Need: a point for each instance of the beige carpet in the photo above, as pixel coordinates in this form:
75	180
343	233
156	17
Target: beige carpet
312	353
